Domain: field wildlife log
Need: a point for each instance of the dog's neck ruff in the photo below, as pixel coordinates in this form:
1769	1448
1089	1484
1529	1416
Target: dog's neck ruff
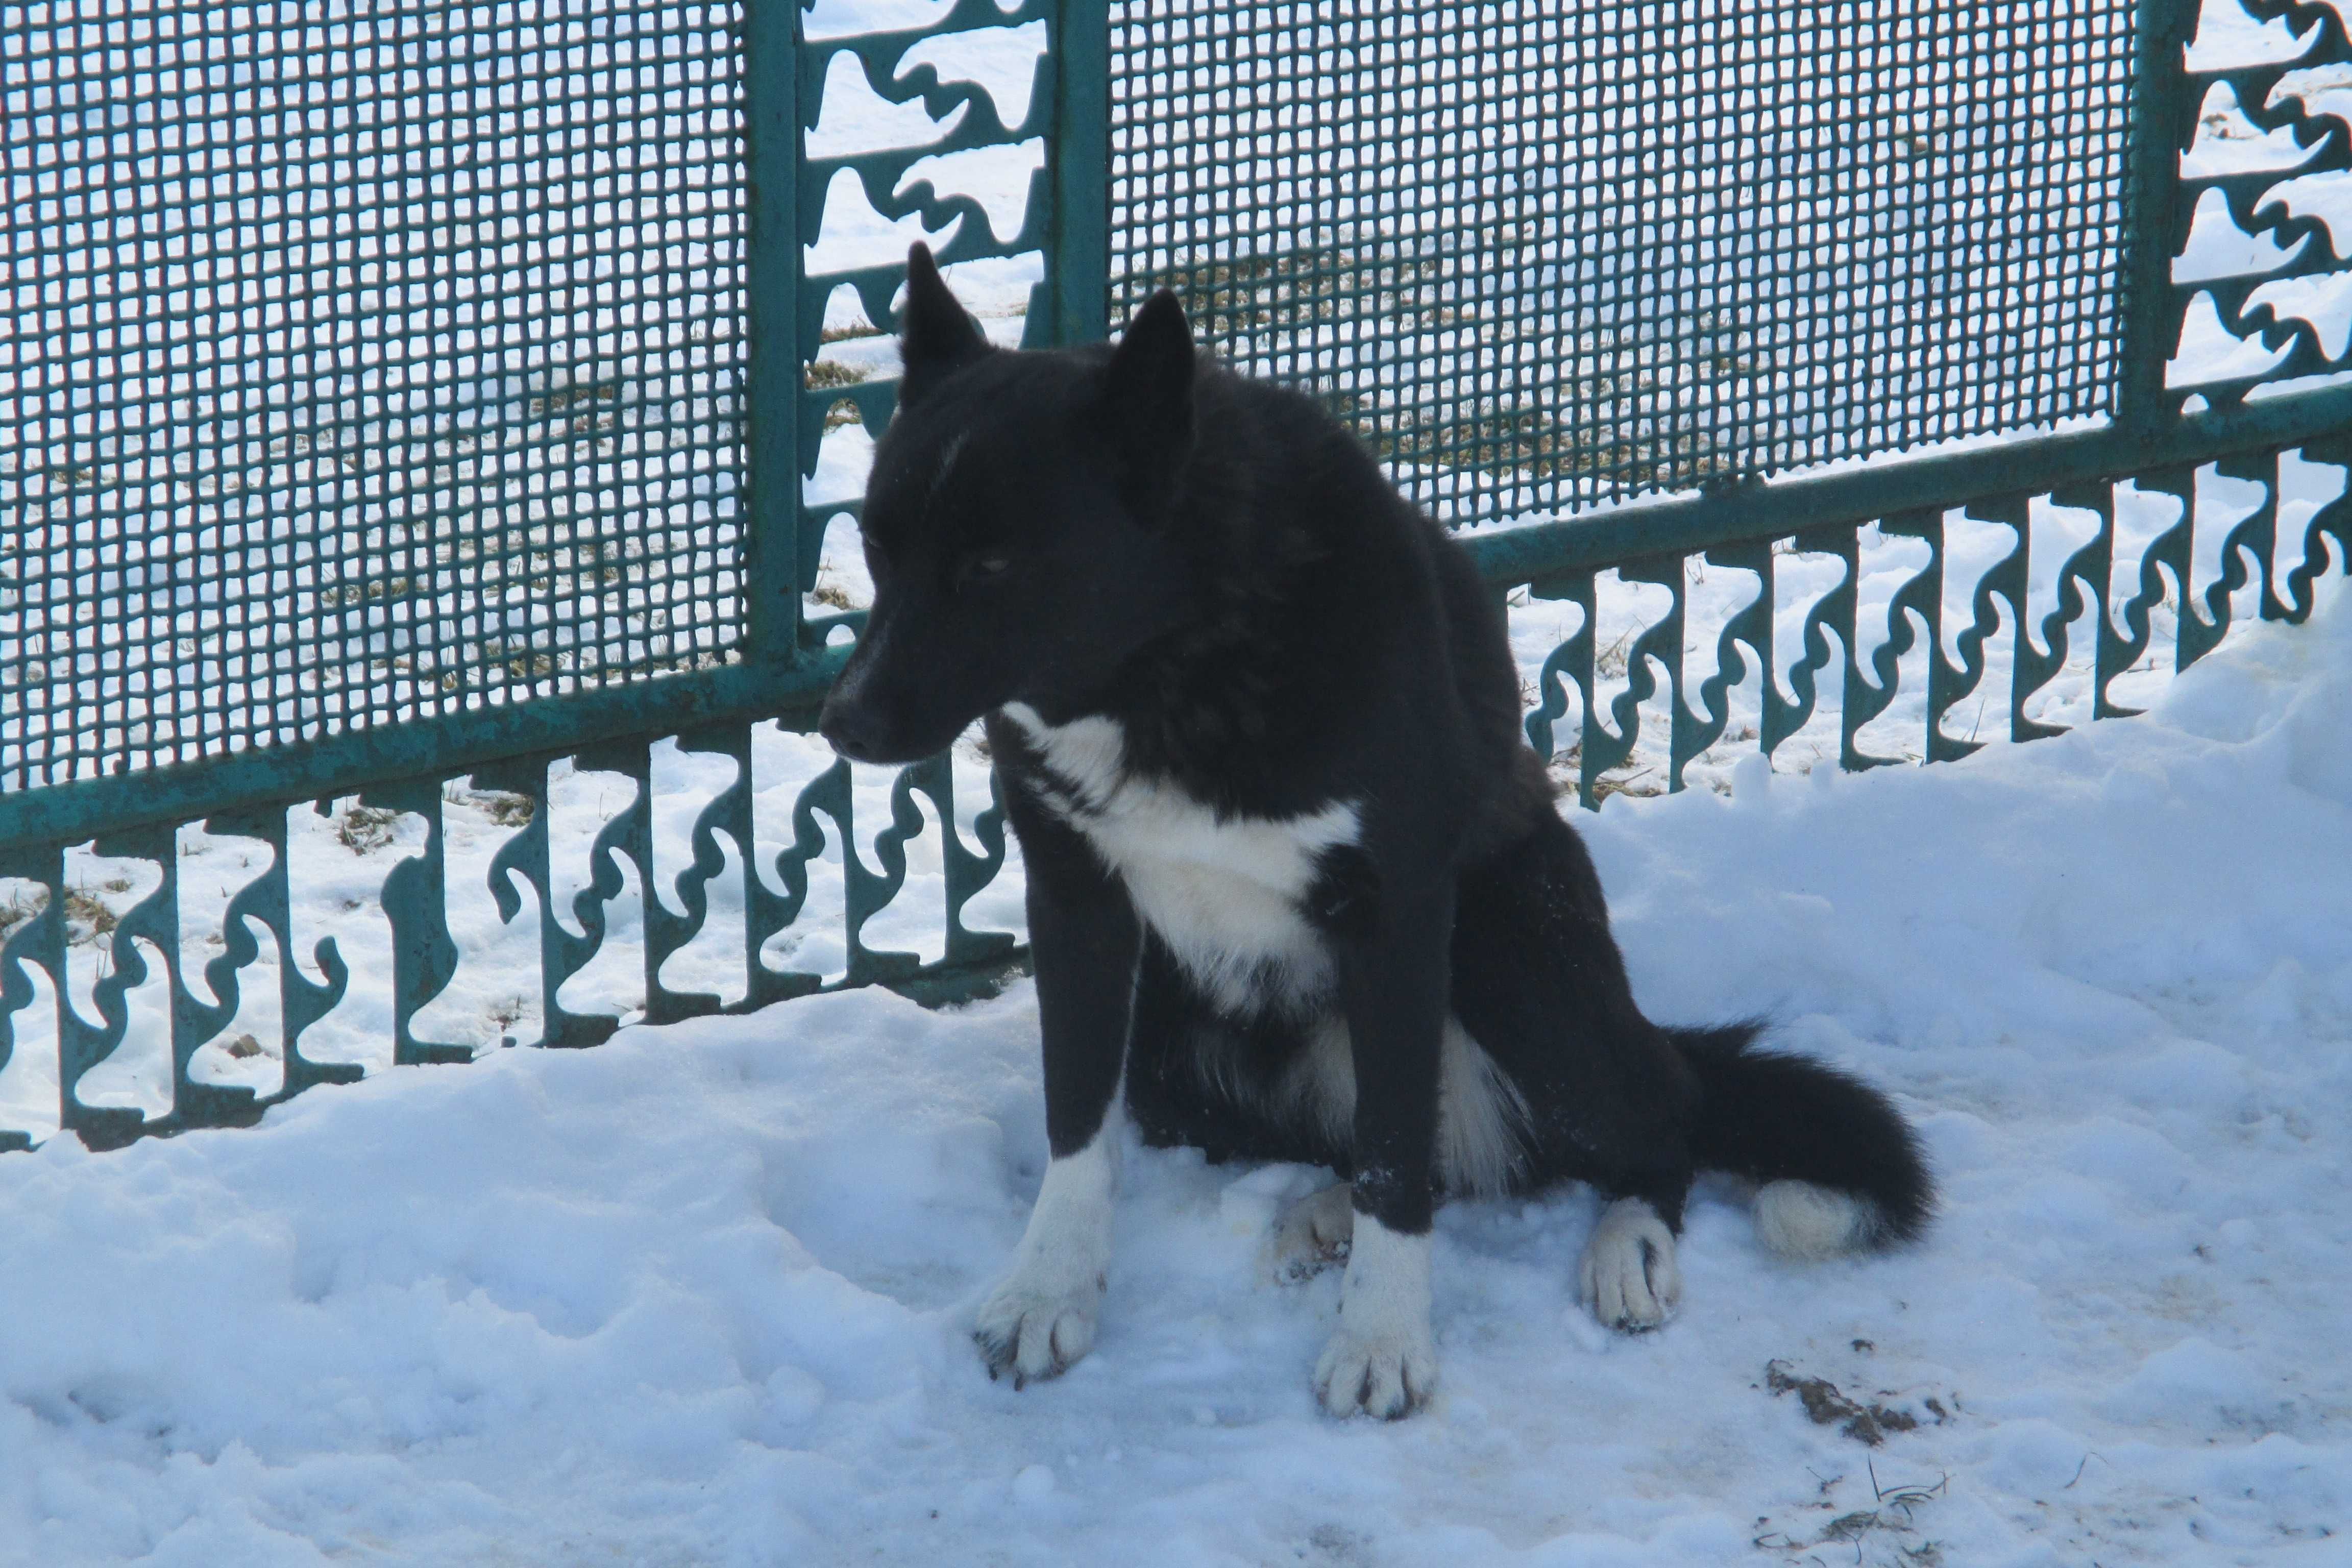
1226	893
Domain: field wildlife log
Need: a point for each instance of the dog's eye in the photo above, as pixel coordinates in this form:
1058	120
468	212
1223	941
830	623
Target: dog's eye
987	564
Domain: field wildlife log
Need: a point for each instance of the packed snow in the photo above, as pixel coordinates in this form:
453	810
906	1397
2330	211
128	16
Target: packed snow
703	1295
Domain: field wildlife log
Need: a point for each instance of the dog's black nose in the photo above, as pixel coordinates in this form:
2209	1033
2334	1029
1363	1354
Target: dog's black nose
850	730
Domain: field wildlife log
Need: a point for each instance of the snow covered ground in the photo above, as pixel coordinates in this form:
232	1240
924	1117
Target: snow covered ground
701	1295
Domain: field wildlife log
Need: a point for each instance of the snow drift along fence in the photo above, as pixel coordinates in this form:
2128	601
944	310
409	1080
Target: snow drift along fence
412	408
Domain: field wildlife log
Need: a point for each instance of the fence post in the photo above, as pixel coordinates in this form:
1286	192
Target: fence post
2163	117
769	411
1072	305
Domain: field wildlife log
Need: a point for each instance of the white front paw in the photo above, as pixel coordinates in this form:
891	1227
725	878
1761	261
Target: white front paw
1382	1359
1041	1321
1036	1333
1629	1276
1388	1374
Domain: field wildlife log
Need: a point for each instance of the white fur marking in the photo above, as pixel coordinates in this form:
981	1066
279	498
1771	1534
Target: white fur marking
1798	1219
1382	1358
1224	893
1320	1085
1629	1276
1041	1319
1482	1119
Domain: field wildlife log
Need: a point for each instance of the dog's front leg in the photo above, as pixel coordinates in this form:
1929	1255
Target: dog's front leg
1382	1358
1083	937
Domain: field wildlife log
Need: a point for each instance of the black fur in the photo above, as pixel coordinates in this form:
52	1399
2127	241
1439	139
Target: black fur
1762	1114
1219	568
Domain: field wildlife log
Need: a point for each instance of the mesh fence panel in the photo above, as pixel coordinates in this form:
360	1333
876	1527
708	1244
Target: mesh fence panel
359	361
1552	253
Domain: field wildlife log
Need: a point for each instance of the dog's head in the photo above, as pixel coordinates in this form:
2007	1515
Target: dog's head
1017	524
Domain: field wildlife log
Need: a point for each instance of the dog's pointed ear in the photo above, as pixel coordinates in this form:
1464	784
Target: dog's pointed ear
936	337
1148	393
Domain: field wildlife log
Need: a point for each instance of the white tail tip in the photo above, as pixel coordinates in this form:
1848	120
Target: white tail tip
1798	1219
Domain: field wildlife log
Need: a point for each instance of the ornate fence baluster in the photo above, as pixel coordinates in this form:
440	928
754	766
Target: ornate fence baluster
1573	659
416	902
827	793
2082	583
629	832
1661	640
2255	534
2003	587
526	854
2168	552
969	871
38	941
966	873
1923	595
2196	636
2332	520
869	891
1751	625
17	991
156	918
2003	582
1783	717
2087	568
766	912
196	1023
730	810
301	1001
666	933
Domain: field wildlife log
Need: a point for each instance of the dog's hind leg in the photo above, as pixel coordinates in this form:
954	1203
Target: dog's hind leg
1629	1276
1539	982
1314	1235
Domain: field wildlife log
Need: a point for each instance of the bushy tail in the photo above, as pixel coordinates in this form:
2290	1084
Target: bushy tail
1837	1167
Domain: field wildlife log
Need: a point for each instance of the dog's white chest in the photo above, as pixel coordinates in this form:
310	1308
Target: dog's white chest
1224	893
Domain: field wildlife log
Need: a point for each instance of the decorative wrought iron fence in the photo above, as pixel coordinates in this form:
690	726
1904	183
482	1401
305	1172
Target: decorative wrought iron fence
448	417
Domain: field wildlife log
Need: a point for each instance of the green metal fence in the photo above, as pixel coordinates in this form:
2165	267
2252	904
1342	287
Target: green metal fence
423	423
1552	254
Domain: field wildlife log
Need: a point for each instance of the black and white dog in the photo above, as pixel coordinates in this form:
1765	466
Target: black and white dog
1297	888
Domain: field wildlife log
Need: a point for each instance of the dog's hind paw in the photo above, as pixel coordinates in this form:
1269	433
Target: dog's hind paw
1390	1375
1031	1334
1629	1276
1314	1235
